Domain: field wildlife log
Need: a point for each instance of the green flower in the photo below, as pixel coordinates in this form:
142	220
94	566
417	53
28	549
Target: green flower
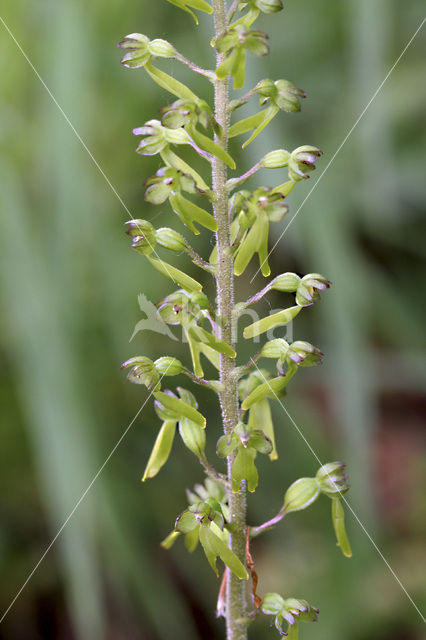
279	95
204	522
301	161
309	287
255	211
304	354
142	371
183	112
290	610
189	113
332	479
182	308
299	352
166	182
143	236
190	310
245	441
141	49
138	50
158	138
233	45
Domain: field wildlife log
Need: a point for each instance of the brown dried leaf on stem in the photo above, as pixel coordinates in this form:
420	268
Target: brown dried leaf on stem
257	600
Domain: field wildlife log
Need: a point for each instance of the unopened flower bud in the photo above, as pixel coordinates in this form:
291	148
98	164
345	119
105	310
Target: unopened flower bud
161	48
269	6
281	93
272	603
288	98
171	239
275	159
168	366
199	299
142	233
332	479
286	282
301	494
275	348
301	161
265	87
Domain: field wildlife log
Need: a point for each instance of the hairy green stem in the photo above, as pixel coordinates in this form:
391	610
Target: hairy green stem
199	261
236	589
211	471
194	67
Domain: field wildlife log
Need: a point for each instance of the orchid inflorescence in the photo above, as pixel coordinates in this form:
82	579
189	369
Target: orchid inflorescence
190	121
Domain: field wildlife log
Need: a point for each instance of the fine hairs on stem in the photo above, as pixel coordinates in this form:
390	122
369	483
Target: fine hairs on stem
216	518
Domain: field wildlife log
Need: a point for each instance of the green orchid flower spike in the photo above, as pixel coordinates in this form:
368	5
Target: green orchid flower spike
190	139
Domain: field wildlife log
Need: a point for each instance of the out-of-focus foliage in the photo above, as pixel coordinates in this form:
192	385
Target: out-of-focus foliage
69	297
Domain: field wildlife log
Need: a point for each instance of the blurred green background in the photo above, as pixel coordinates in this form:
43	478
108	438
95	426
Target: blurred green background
69	286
